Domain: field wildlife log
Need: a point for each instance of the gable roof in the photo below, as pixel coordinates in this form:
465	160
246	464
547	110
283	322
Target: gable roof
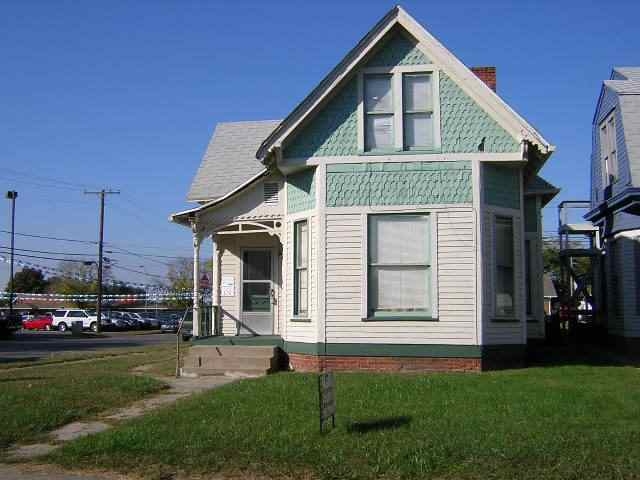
229	159
464	77
625	80
540	187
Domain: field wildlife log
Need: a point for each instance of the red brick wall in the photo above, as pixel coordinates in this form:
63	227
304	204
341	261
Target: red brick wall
312	363
487	75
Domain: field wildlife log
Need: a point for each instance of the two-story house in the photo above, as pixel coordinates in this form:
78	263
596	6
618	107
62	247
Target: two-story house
390	221
615	198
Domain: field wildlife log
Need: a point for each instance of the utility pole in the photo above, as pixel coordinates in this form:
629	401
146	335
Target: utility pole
12	195
101	193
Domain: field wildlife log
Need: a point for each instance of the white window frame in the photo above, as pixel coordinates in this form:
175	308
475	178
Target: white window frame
433	225
516	313
295	310
397	73
609	149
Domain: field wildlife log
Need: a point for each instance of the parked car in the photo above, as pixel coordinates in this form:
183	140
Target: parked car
63	319
169	325
9	323
41	322
118	322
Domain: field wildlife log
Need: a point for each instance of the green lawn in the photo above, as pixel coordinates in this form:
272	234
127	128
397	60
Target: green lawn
38	397
571	422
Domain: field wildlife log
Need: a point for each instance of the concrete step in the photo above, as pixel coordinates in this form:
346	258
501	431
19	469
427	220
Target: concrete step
231	363
199	372
233	351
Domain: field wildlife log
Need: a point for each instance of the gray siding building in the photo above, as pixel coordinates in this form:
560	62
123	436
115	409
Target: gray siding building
615	196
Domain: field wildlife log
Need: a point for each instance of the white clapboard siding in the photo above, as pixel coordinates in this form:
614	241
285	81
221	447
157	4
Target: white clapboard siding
297	331
499	333
231	247
230	266
345	237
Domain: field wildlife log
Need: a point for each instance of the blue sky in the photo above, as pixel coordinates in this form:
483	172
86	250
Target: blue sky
126	95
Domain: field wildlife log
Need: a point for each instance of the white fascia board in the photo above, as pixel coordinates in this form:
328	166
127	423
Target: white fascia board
508	118
175	217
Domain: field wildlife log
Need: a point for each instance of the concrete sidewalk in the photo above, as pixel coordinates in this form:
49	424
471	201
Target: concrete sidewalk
49	472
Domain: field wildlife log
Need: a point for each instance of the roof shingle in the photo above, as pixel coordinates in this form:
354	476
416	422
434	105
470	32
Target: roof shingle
230	158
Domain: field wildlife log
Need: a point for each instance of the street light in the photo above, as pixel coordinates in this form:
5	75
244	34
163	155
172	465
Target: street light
12	195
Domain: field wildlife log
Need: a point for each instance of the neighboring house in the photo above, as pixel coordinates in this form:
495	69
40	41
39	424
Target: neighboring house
615	197
550	293
390	221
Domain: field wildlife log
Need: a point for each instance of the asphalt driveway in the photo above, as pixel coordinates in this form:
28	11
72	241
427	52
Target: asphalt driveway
35	345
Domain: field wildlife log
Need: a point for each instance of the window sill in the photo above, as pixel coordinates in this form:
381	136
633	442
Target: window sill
505	320
300	320
400	319
400	152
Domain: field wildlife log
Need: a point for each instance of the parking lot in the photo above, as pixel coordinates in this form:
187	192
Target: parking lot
25	346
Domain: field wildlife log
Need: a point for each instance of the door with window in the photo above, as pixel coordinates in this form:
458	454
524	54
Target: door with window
257	292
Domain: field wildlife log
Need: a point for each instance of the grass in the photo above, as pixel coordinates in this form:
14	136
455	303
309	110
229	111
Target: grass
37	397
571	422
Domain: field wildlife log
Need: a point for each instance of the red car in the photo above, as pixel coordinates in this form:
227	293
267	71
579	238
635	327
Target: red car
42	322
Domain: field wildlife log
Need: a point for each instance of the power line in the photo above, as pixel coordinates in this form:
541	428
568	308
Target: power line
22	173
49	258
51	238
138	271
51	253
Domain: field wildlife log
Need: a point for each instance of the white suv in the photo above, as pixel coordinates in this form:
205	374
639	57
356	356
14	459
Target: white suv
63	319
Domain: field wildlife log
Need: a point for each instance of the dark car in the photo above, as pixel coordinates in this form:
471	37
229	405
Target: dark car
9	323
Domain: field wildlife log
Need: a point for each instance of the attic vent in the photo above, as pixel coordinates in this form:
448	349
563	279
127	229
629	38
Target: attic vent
271	193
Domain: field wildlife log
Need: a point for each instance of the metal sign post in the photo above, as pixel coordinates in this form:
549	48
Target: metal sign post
327	396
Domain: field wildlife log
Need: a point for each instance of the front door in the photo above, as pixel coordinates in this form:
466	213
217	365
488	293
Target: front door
257	292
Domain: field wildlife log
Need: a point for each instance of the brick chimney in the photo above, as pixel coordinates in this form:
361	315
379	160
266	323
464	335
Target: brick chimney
487	75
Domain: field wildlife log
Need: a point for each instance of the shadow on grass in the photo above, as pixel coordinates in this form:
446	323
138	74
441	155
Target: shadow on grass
22	379
390	423
18	359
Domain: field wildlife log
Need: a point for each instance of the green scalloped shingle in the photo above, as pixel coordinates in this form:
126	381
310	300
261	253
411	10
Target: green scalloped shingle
333	131
501	186
398	50
463	124
401	183
301	191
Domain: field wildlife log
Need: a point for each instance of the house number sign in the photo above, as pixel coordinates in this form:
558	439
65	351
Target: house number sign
327	395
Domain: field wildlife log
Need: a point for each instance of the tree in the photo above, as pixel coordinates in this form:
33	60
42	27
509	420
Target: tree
29	280
180	275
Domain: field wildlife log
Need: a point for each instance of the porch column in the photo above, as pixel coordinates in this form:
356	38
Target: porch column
215	286
196	285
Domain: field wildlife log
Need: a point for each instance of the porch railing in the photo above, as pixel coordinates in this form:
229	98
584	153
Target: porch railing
209	320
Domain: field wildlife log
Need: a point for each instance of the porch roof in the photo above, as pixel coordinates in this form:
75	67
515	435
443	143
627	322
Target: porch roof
186	217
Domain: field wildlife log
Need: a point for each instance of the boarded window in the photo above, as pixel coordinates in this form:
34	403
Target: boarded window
378	107
417	110
504	268
399	266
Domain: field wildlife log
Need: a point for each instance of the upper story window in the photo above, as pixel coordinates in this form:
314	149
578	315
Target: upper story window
399	110
417	110
608	147
378	108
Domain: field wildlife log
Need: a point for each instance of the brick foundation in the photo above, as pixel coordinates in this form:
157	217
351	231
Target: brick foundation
313	363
